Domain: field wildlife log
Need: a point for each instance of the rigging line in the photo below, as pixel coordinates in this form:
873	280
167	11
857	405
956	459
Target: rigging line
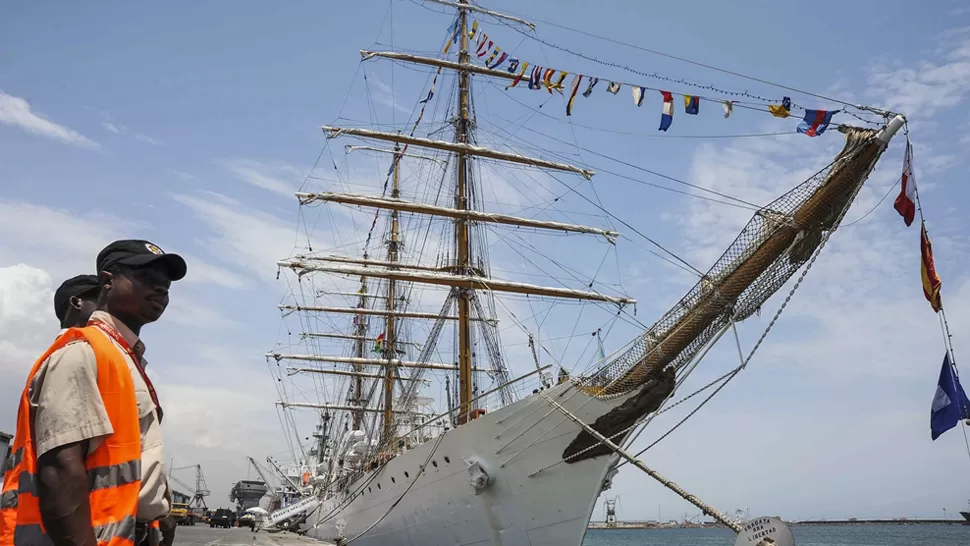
390	11
633	229
654	173
889	191
655	75
695	63
660	175
965	441
575	274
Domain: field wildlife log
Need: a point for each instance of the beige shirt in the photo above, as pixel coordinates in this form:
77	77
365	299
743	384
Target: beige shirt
66	407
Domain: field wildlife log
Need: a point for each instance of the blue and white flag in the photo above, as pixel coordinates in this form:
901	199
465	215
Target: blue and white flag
950	403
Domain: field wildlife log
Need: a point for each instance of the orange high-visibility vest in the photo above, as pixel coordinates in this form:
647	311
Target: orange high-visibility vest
114	468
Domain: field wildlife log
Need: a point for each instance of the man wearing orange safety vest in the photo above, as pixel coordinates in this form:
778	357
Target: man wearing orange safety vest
85	466
74	302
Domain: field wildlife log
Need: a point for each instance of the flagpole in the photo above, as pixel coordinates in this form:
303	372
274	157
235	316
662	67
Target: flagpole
944	324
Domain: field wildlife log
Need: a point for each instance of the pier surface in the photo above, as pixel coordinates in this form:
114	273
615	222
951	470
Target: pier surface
203	535
851	521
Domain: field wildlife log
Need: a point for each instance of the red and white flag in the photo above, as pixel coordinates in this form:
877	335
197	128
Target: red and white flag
905	203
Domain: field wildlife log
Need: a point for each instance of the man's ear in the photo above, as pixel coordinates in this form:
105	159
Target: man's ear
75	302
105	278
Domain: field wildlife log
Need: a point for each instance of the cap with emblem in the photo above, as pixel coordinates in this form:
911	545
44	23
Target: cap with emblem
137	253
75	286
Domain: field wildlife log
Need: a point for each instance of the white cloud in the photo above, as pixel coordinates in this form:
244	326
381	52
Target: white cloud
932	85
183	176
143	138
186	312
17	112
110	125
384	95
202	272
74	240
27	326
114	128
252	239
255	173
219	408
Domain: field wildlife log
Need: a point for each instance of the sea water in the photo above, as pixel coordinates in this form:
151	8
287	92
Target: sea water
808	535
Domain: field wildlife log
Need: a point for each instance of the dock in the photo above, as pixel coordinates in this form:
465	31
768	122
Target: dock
203	535
850	521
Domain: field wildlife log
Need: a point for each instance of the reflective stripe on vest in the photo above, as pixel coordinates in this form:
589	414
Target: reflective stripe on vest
111	533
8	499
113	469
13	459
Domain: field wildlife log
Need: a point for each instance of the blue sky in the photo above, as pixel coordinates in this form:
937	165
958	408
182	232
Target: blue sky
190	125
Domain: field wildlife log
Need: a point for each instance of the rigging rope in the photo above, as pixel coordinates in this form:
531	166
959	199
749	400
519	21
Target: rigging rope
742	202
863	217
688	61
534	36
733	373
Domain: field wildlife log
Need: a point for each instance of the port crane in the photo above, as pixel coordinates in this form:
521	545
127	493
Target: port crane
609	507
275	492
199	492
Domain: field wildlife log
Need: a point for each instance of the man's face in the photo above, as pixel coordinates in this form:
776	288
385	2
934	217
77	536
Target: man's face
141	292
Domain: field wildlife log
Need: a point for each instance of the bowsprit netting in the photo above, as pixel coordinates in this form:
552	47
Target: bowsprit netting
774	244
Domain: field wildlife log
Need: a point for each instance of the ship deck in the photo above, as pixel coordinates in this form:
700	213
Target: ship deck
203	535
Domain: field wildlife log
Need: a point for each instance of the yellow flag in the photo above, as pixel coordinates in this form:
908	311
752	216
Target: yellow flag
778	111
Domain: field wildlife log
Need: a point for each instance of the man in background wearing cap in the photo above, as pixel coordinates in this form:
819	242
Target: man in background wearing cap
67	423
74	301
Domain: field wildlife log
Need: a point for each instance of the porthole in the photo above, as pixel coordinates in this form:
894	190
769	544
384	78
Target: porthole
435	463
393	480
378	486
368	489
406	475
447	460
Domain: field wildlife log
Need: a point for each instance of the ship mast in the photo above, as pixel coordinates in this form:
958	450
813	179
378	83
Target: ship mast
465	383
464	275
390	332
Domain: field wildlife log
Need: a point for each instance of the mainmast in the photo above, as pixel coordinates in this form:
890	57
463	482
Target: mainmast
390	332
361	335
465	383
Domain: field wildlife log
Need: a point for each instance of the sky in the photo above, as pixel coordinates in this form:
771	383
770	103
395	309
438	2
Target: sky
191	125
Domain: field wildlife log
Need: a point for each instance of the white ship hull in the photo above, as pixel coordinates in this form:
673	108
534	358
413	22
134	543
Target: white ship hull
551	508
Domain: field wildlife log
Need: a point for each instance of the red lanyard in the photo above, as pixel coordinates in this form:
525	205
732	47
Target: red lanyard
113	334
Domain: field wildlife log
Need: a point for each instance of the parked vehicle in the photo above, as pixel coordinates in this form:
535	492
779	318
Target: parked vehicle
247	520
223	517
182	514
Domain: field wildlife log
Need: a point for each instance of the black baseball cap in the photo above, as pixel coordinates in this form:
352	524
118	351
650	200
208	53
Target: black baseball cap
138	253
75	286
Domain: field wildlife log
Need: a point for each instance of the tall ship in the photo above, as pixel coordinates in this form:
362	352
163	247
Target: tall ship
444	408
